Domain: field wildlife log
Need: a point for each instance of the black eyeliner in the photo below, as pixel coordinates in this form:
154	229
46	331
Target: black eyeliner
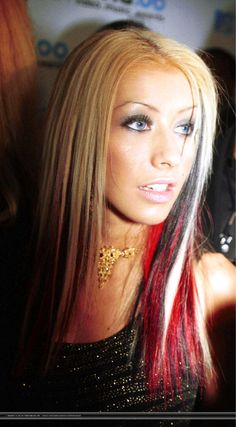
136	118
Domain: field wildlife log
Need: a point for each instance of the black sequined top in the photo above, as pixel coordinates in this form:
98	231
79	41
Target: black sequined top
99	377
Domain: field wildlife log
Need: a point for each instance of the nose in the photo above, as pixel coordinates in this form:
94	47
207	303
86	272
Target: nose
166	150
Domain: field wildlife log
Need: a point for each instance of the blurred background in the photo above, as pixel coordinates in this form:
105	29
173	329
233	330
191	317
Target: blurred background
59	25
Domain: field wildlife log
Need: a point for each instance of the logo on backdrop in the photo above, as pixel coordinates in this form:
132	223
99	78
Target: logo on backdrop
53	54
58	51
147	9
157	5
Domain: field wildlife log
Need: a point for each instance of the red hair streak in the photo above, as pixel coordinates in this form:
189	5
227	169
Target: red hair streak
153	239
182	353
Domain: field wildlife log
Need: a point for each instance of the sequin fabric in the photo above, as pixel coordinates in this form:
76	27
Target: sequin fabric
99	377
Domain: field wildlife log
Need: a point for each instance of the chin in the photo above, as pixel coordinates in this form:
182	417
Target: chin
148	219
154	217
140	215
153	221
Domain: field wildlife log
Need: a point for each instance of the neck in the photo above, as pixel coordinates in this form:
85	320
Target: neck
121	233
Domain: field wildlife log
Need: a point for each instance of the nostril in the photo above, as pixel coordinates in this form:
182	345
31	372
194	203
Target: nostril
166	163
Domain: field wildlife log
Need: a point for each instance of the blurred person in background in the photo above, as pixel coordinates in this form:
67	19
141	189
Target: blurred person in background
18	151
222	185
219	223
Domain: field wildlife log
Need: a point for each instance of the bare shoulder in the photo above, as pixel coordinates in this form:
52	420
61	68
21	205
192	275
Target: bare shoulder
216	279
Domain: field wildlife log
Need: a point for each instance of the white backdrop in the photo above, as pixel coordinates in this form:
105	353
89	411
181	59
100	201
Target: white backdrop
59	25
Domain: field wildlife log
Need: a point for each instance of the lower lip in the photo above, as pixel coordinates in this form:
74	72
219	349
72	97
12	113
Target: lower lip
157	196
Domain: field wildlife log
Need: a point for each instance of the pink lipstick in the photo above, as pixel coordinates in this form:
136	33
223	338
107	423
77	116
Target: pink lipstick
159	191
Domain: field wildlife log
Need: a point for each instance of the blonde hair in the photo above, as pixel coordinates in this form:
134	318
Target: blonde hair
72	199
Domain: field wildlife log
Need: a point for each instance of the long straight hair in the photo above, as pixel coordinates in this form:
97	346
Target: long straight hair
73	177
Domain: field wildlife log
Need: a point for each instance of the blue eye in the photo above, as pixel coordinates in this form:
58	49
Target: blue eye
185	129
139	123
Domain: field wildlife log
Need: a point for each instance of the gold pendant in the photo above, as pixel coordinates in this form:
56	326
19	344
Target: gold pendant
107	258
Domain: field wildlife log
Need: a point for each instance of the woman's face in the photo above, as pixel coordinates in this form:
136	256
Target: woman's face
151	146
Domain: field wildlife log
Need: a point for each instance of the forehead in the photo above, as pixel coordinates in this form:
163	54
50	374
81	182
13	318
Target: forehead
156	84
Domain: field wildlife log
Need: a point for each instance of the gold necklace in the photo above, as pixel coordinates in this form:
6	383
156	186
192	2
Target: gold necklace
107	258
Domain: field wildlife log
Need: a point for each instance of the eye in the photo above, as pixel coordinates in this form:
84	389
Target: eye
139	123
185	129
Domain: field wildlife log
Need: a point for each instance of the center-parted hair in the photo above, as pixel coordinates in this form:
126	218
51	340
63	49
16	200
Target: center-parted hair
73	176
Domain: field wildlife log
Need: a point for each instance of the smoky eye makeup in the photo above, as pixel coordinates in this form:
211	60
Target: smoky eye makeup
185	128
137	122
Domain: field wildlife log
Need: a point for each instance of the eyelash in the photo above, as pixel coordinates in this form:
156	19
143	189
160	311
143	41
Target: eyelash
139	118
145	119
190	127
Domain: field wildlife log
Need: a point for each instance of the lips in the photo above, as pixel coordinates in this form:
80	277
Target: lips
159	185
160	191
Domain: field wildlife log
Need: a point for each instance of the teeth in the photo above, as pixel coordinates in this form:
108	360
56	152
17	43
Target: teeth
157	187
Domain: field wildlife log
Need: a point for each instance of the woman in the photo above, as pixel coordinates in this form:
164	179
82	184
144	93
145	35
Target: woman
122	288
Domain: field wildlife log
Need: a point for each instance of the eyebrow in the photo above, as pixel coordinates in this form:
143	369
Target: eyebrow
192	107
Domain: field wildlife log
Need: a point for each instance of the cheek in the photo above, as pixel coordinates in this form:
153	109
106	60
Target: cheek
116	165
121	161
